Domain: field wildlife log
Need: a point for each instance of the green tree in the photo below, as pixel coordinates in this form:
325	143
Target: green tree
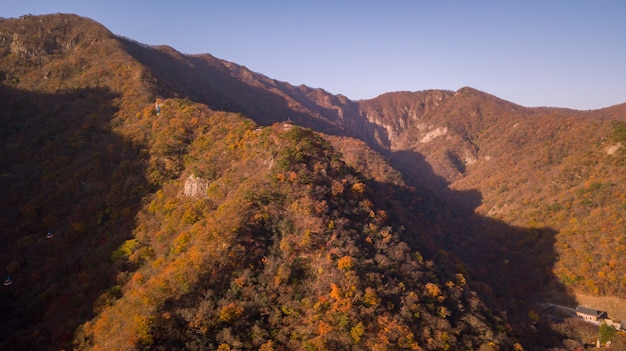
606	332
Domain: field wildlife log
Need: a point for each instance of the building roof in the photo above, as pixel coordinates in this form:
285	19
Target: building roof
590	311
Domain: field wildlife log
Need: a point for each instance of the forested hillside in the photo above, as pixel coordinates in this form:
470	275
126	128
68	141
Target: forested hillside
284	249
530	167
69	166
155	200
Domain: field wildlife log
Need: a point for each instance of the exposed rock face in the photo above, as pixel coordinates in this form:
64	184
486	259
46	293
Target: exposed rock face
437	132
195	187
613	148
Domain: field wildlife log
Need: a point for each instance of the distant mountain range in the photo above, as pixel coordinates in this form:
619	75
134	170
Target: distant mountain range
425	220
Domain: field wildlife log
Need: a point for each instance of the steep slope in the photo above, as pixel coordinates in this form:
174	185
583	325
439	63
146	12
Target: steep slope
284	248
532	167
56	151
227	86
67	167
565	170
63	52
441	125
83	147
469	141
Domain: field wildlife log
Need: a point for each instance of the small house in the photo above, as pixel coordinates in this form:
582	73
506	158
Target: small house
590	314
287	125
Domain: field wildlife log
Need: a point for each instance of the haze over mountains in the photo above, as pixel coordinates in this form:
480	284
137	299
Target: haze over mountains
432	219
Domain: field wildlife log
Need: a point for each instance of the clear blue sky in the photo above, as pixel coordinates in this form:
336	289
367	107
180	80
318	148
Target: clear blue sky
562	53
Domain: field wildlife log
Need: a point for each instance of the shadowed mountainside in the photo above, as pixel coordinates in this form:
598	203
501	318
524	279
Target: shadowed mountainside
63	170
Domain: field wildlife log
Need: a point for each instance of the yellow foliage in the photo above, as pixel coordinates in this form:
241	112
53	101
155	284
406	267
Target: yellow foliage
267	346
358	188
386	235
335	291
180	243
432	290
533	316
444	312
331	224
345	263
293	176
357	332
143	325
397	333
137	278
370	297
324	328
230	312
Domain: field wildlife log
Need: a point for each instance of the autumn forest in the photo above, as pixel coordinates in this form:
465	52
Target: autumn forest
159	201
